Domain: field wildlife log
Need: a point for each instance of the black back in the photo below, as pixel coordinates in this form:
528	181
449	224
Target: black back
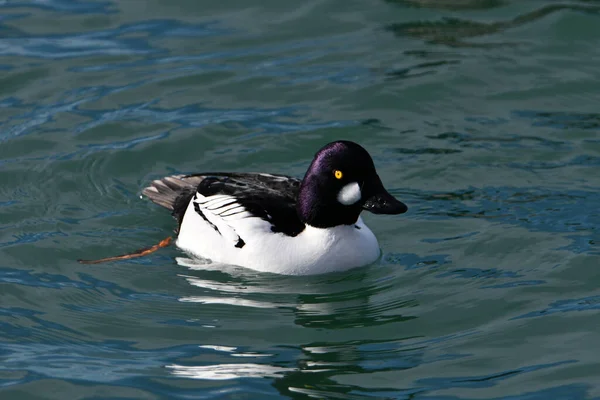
269	197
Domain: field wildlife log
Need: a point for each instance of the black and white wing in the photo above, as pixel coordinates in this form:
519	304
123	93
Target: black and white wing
232	196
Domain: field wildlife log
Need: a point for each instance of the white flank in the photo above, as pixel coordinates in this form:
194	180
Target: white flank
349	194
313	251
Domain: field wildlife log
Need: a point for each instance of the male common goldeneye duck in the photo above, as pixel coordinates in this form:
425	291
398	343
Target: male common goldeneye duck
276	223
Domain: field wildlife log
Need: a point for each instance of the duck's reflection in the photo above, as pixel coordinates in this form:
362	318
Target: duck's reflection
228	371
332	307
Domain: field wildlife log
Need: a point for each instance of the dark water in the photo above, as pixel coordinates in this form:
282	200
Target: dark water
481	115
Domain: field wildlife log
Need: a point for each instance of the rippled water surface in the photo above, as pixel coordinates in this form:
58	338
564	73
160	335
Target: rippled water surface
482	115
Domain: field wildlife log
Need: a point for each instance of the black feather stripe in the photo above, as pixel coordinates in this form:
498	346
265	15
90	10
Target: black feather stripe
200	213
233	201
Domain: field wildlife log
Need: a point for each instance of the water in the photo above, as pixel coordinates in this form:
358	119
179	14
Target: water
480	115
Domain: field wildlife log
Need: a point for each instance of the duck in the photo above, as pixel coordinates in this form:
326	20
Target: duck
278	223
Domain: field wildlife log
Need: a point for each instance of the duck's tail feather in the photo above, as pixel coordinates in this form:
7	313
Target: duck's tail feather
165	191
174	192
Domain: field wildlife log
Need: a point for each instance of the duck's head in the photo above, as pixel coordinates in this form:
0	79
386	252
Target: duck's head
341	182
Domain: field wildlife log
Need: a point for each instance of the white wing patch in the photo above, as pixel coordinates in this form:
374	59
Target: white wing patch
349	194
223	206
221	213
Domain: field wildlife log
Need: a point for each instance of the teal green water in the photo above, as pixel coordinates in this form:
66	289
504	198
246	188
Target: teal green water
482	116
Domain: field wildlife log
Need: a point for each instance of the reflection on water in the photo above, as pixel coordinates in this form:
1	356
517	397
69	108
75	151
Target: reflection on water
364	298
358	299
228	371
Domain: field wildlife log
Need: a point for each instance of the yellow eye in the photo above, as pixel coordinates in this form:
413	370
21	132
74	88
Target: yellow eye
338	174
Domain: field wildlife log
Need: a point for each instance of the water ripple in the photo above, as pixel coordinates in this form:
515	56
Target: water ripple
100	362
536	209
109	42
506	140
31	237
454	32
451	4
28	325
591	303
62	6
47	280
561	119
487	380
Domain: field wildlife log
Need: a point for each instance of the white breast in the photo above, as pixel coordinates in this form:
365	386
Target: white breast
313	251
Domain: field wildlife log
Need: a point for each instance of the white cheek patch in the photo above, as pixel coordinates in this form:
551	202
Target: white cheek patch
349	194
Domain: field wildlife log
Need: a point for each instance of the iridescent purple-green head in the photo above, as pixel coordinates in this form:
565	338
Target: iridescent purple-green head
341	182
